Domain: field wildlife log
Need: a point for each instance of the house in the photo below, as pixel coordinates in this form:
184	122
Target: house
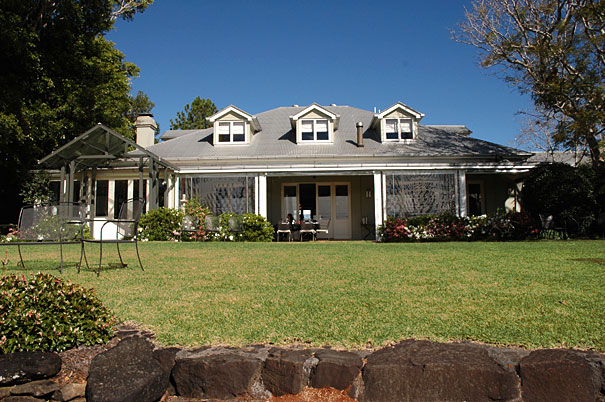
346	167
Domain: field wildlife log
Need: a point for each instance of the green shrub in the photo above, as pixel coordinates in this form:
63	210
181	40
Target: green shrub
256	228
162	224
226	233
48	314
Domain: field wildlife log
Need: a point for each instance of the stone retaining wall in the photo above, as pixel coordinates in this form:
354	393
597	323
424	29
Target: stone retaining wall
409	371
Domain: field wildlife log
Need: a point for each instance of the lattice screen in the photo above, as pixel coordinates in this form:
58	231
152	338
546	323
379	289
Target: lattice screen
420	194
221	194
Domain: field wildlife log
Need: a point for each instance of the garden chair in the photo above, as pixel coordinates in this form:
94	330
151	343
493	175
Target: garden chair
190	225
284	229
325	230
235	225
307	228
126	231
550	230
54	224
213	224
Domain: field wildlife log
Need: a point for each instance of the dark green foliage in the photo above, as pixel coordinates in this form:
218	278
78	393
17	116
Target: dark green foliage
563	191
59	77
36	189
194	116
256	228
45	313
162	224
140	104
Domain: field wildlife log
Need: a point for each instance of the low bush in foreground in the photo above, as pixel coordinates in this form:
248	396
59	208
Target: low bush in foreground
45	313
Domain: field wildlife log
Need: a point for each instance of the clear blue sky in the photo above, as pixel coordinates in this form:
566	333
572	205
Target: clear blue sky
259	55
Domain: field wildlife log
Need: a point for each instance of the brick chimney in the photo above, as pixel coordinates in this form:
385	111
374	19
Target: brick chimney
146	127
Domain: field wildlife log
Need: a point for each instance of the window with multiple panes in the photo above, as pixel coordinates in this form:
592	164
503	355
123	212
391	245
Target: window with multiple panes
102	198
120	194
398	129
231	131
314	130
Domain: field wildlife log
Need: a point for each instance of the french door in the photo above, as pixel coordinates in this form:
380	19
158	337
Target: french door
327	203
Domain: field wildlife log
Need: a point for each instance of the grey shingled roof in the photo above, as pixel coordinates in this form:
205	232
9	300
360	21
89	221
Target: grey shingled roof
567	157
277	139
172	134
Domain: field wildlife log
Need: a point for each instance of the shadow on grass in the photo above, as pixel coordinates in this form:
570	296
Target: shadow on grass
598	261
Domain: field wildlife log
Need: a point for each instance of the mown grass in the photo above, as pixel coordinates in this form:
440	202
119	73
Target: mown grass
354	294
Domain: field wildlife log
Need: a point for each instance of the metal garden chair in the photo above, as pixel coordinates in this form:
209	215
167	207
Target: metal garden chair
213	224
55	224
126	231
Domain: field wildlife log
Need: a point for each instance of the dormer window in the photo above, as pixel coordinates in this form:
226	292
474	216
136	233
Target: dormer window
398	123
233	126
399	129
315	124
231	131
314	130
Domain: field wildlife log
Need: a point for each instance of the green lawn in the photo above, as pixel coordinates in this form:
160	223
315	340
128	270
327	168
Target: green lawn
354	294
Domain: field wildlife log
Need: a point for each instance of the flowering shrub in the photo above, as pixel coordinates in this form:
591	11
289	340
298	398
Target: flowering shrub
395	230
509	226
162	224
11	236
45	313
193	208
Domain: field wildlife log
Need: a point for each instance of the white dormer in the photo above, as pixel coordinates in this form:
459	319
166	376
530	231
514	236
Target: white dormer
398	123
315	125
233	126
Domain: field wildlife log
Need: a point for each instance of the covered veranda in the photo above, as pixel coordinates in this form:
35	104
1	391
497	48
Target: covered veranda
79	163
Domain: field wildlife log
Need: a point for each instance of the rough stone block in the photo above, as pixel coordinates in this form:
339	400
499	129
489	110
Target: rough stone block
336	369
5	391
21	399
127	372
21	367
39	388
69	392
427	371
166	357
284	371
559	375
221	375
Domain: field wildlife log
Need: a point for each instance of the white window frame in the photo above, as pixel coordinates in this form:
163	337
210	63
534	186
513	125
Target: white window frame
314	131
400	133
231	124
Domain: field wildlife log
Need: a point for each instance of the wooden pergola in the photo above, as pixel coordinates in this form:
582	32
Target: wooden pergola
103	148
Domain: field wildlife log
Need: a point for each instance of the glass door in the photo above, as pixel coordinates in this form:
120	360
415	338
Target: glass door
342	218
327	203
324	210
290	202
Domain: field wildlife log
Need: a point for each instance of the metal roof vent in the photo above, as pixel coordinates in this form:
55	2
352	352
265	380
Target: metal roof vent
359	126
295	105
